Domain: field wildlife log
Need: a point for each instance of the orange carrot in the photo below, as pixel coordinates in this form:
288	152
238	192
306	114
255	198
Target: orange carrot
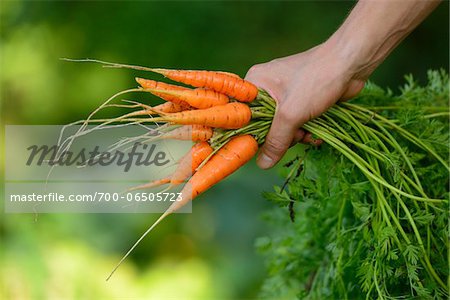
189	163
228	159
198	98
228	73
195	133
153	84
149	185
229	116
170	107
186	167
148	84
222	82
234	154
164	108
232	115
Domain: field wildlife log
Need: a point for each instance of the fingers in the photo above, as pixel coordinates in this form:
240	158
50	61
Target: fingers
309	139
298	136
304	137
278	140
275	146
281	133
353	89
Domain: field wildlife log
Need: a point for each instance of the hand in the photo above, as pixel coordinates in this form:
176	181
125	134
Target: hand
304	85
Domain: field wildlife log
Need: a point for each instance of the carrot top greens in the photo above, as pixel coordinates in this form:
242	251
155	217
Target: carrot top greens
370	205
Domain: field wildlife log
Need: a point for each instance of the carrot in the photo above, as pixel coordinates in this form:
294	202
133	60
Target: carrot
222	82
234	154
189	163
229	116
170	107
153	84
198	98
164	108
228	73
195	133
186	167
228	159
149	185
148	84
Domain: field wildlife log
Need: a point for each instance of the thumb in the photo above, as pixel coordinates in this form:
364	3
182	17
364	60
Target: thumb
278	140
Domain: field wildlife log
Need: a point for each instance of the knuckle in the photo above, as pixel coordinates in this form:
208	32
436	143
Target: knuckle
274	62
288	115
308	138
255	69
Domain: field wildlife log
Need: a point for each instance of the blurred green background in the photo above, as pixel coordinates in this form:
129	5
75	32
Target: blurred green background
205	255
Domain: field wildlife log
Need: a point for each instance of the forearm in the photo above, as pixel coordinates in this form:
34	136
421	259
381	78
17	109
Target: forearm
373	29
307	84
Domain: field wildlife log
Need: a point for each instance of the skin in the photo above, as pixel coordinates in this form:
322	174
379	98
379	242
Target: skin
306	84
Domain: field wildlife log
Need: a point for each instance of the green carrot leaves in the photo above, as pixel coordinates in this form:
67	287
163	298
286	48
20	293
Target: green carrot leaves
371	205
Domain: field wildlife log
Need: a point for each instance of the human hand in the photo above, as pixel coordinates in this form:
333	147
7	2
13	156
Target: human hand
304	85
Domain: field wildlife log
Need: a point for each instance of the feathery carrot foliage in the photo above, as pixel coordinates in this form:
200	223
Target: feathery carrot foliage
353	237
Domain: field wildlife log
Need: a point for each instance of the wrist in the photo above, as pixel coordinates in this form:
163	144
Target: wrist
372	30
351	53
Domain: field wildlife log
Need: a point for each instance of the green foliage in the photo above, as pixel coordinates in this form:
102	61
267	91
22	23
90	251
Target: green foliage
353	238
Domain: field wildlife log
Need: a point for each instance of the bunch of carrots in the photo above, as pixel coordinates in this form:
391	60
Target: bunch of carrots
228	118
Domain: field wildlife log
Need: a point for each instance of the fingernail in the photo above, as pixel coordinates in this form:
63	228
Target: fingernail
265	162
